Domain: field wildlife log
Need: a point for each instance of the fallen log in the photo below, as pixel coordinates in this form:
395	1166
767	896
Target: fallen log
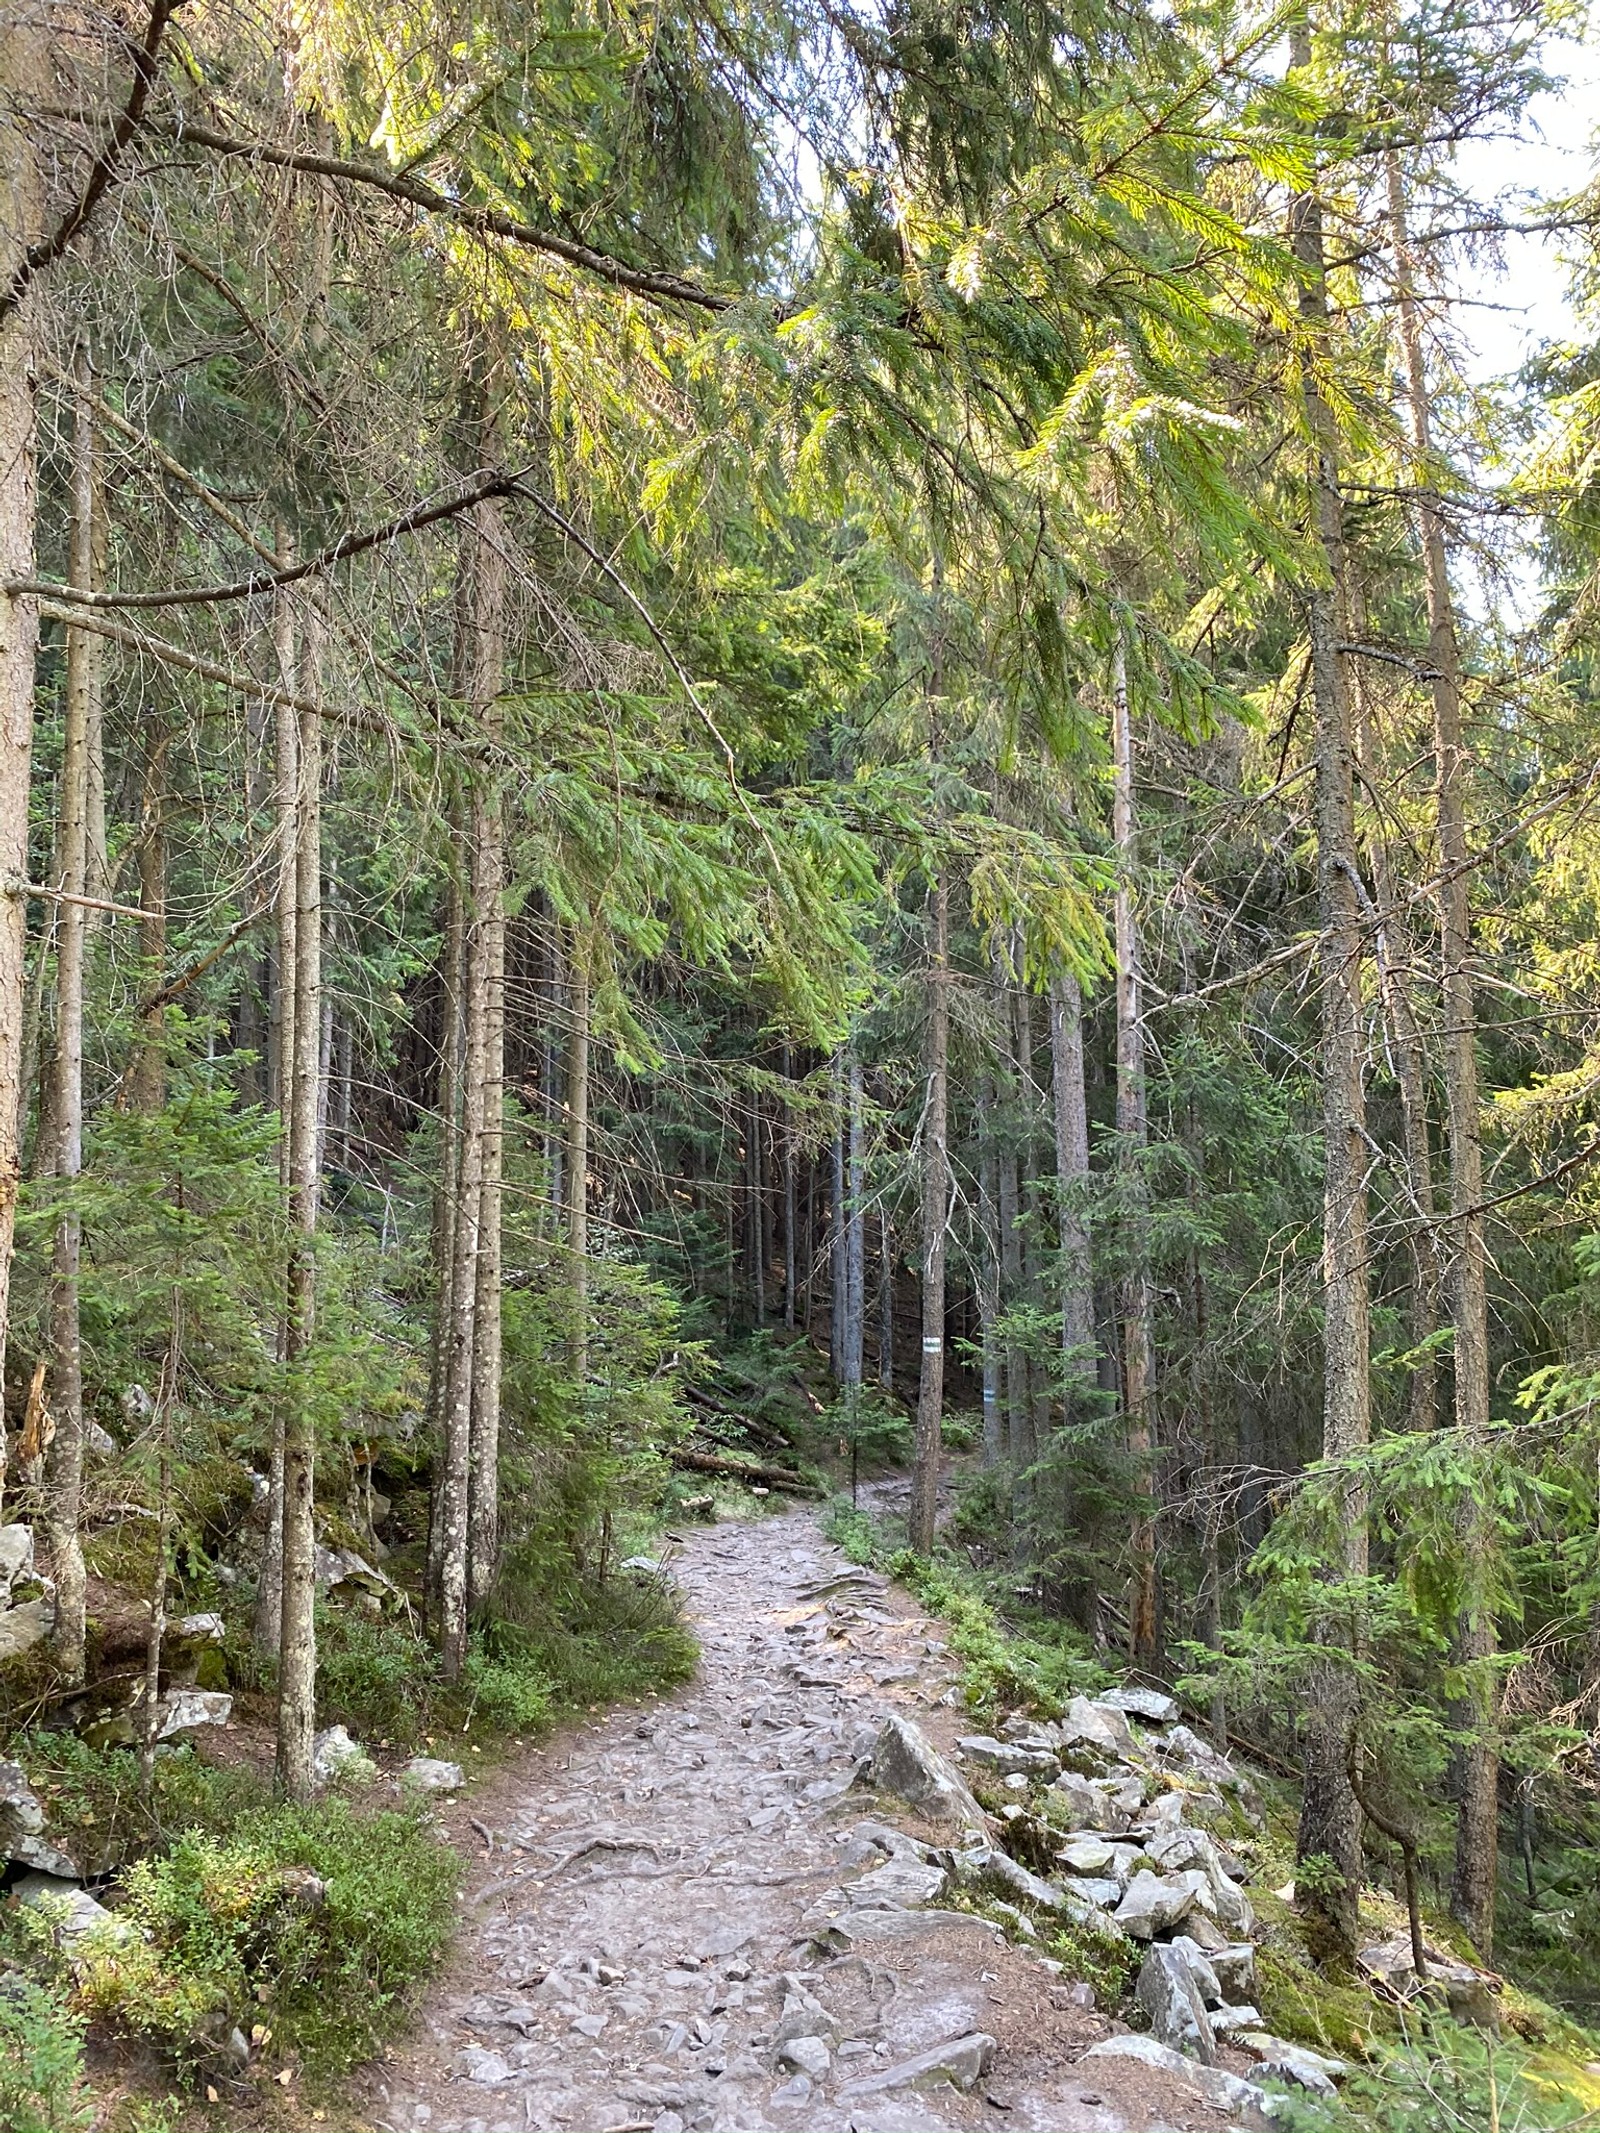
746	1470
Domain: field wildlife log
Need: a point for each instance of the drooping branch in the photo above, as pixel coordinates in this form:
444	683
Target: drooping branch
49	248
485	221
264	581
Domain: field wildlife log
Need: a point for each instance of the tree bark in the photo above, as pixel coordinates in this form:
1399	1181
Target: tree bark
297	1648
489	597
855	1240
147	1082
935	1193
1474	1882
885	1301
1330	1821
1133	1134
789	1248
994	1416
64	1466
24	80
268	1619
1072	1171
578	1164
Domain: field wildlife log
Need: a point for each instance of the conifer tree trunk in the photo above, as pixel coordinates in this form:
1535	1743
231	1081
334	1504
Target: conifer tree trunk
1473	1885
489	597
789	1209
147	1079
465	1236
994	1418
1133	1133
1071	1116
838	1248
578	1163
64	1467
24	79
1330	1823
935	1193
855	1243
885	1301
267	1625
297	1650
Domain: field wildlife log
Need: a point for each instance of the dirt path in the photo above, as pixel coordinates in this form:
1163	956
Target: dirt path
641	1949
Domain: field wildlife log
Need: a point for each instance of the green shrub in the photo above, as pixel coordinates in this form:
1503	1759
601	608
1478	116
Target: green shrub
41	2059
513	1694
376	1677
232	1931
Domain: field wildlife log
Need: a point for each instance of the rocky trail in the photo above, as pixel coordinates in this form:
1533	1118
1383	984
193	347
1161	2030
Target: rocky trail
700	1916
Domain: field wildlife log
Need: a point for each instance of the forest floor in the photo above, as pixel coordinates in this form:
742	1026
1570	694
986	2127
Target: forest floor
641	1924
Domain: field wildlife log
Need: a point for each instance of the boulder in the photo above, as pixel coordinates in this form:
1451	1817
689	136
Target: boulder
1294	2064
1152	1705
1086	1855
1234	1964
1213	2084
997	1866
1153	1904
342	1566
1096	1889
960	2061
644	1566
1126	1794
71	1912
1101	1725
1090	1805
1010	1758
905	1762
426	1773
1180	1850
1184	1747
1200	1968
24	1627
334	1754
22	1826
805	2055
16	1559
856	1928
1169	1991
182	1710
803	2013
97	1440
902	1884
1225	2020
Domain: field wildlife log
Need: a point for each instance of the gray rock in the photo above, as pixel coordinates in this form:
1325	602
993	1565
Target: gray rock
803	2013
137	1405
25	1626
16	1558
1213	2084
1200	1968
806	2055
1235	1968
1226	2020
1184	1747
1472	2000
1086	1855
1169	1991
97	1440
1104	1730
335	1754
1126	1794
901	1883
182	1710
1091	1806
426	1773
1103	1893
995	1865
905	1762
960	2061
199	1629
70	1911
1181	1851
855	1928
491	2070
644	1566
1153	1904
1153	1705
342	1566
1010	1758
1300	2068
22	1826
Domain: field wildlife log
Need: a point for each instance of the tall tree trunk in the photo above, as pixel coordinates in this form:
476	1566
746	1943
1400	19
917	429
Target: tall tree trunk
268	1620
855	1241
885	1301
456	1411
789	1246
1072	1171
489	597
147	1080
297	1647
1473	1885
24	80
935	1194
1133	1134
64	1468
994	1416
578	1163
1330	1820
838	1248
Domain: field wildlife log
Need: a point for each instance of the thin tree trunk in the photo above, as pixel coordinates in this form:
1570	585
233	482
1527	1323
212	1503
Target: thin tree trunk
1330	1819
455	1483
855	1237
838	1272
268	1620
1133	1133
147	1083
994	1414
935	1193
1473	1885
488	676
165	1523
885	1301
64	1467
578	1165
789	1247
297	1648
1072	1171
24	80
